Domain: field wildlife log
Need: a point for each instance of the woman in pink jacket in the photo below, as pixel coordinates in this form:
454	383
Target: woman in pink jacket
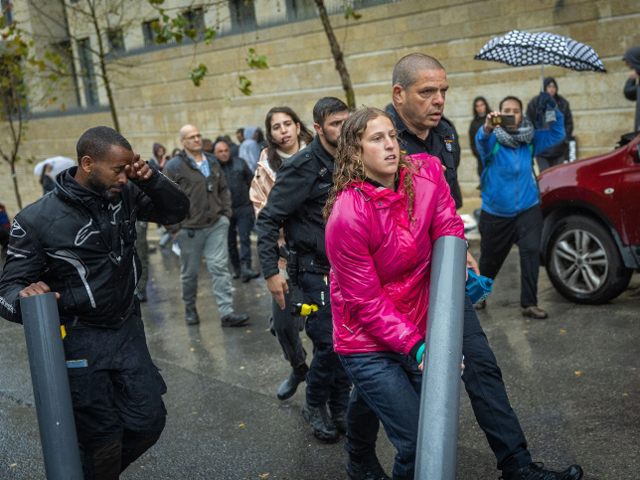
383	217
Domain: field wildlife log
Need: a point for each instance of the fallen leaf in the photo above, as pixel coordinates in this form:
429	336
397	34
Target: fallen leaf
267	329
248	331
201	294
241	368
528	321
15	465
258	295
241	425
526	331
624	395
193	349
304	339
264	475
563	331
578	373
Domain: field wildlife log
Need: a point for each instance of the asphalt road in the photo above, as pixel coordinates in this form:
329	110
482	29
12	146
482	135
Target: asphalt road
573	380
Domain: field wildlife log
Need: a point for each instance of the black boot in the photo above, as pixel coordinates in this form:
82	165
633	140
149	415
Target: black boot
234	320
536	471
321	425
248	274
290	385
368	468
192	317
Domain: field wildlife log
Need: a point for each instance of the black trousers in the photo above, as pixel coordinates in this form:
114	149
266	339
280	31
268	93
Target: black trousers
117	398
241	225
327	382
483	381
498	236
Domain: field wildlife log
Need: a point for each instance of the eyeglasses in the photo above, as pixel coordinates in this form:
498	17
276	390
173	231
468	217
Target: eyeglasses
193	137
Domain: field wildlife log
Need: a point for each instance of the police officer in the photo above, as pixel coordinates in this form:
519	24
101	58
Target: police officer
80	243
295	203
419	90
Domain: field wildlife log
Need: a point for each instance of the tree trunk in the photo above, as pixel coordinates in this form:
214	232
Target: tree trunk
337	56
103	69
15	184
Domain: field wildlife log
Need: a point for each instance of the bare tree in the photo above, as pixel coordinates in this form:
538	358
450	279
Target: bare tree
175	28
107	22
16	59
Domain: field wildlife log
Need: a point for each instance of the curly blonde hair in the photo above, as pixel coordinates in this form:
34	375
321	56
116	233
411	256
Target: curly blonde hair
348	169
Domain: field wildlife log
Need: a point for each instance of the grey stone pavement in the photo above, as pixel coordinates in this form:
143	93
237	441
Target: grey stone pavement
574	381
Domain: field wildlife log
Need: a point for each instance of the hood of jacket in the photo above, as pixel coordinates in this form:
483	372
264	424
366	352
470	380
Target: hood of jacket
633	57
547	81
248	133
381	259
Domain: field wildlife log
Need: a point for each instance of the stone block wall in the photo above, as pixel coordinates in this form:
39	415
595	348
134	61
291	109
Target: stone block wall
154	97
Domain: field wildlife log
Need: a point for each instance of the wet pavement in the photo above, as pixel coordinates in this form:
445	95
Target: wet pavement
573	380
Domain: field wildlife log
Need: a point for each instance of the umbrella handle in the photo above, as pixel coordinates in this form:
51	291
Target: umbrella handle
542	89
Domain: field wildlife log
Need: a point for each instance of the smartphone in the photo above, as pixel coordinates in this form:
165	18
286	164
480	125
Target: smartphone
504	120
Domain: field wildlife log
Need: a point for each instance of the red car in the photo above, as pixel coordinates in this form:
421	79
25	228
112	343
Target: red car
591	235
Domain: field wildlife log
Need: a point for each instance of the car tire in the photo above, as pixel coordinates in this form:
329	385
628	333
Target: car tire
583	261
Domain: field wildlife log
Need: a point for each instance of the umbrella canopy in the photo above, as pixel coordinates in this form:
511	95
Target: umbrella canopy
518	48
59	164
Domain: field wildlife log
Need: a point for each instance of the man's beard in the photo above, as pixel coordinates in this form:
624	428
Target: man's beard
103	189
331	141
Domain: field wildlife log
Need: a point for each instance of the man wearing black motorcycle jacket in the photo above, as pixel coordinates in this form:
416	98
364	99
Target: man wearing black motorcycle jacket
79	242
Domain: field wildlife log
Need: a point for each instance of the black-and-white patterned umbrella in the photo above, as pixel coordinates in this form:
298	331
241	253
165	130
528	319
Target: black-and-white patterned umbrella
518	48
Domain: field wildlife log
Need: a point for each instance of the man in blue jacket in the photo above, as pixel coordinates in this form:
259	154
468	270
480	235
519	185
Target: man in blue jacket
510	195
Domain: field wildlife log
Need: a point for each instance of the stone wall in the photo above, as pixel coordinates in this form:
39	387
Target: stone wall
155	98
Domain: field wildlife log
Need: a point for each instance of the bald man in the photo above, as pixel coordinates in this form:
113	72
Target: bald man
204	232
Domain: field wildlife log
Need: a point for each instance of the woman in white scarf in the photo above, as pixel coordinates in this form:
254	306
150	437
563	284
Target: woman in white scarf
286	136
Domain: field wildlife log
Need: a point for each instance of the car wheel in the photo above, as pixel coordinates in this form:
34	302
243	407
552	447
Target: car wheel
583	262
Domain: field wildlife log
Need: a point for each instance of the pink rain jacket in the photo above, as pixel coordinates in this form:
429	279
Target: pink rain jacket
381	260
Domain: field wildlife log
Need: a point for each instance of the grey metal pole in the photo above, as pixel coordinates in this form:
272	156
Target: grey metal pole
51	387
440	397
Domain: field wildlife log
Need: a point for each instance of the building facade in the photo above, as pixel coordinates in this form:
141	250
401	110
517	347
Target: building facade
154	97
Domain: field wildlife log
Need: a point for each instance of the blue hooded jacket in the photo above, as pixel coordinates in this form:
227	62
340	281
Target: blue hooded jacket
509	186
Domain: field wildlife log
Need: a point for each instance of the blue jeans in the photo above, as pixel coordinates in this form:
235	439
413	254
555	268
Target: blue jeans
390	385
483	382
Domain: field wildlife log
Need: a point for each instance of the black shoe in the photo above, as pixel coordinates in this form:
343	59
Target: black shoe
290	385
369	469
339	419
234	320
192	317
142	296
321	425
536	471
235	275
248	274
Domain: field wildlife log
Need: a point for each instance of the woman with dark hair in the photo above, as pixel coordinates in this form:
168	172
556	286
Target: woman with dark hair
286	135
48	184
480	110
383	216
159	158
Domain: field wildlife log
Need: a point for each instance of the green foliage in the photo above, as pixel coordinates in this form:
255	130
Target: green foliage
256	61
245	85
350	12
197	74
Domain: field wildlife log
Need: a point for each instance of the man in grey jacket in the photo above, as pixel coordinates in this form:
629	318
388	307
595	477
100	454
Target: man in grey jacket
205	230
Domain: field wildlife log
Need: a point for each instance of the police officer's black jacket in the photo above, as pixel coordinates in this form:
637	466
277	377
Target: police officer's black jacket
83	247
442	142
239	178
295	203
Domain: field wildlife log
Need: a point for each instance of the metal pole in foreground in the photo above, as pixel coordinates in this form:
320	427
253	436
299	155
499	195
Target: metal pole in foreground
51	387
440	396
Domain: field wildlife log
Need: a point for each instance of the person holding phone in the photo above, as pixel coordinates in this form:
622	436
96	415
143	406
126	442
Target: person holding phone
511	213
